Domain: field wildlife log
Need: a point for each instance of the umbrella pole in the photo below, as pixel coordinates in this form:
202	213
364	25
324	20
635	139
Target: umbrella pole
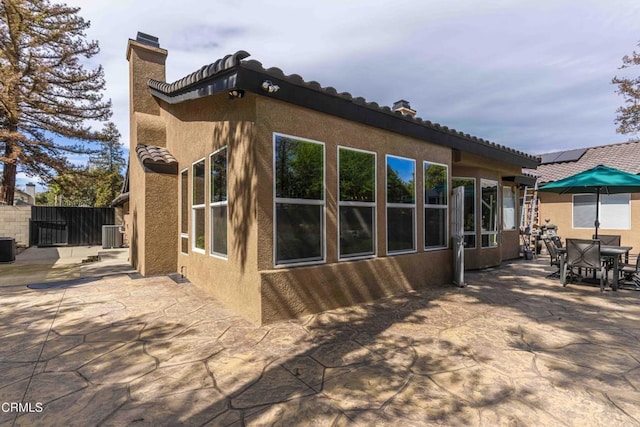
597	223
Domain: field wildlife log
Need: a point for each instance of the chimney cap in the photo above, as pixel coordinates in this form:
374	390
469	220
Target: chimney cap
147	39
400	104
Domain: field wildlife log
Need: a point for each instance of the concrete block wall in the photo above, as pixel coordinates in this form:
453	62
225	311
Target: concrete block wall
14	222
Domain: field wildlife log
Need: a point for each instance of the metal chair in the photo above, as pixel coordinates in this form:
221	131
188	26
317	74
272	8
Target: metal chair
608	239
631	273
552	249
583	253
556	240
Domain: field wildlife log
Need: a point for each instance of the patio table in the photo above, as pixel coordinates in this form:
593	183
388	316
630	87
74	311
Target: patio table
609	251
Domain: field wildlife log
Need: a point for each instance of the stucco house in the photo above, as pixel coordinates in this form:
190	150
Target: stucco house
574	214
284	198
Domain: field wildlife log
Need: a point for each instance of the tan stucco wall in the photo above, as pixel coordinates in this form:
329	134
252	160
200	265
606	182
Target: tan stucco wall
136	229
295	291
194	131
559	209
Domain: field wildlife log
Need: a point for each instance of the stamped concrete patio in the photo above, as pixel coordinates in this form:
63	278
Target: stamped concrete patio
513	348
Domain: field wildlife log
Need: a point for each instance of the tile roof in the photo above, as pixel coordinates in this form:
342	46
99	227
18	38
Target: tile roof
187	88
151	154
624	156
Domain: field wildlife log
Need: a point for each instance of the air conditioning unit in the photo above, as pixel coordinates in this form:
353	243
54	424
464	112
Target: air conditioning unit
111	236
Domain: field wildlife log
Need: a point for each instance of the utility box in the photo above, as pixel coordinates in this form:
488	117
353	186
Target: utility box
7	249
111	236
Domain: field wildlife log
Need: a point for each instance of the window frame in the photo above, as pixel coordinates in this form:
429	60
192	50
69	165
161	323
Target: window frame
496	230
444	207
475	209
400	205
322	204
373	205
195	208
600	209
213	205
184	198
512	191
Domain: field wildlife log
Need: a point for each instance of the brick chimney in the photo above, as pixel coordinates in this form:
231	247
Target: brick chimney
403	107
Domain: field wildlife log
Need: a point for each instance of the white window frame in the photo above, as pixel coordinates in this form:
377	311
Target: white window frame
197	207
430	206
497	218
512	191
475	209
373	205
213	205
321	203
183	235
400	205
602	226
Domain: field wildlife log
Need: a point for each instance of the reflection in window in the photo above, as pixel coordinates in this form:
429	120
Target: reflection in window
489	210
401	207
508	208
357	202
184	211
218	201
197	205
469	185
299	200
436	217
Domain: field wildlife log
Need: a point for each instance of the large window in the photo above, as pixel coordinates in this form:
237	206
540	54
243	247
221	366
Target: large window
197	205
299	200
218	202
184	211
401	205
615	211
357	202
489	200
469	185
508	208
436	218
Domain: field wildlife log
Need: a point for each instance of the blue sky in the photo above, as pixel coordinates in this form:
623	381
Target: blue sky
531	75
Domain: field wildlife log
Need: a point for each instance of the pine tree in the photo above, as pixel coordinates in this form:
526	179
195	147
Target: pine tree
106	166
628	119
45	90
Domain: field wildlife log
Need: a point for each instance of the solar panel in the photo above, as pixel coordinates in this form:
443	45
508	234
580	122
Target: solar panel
562	156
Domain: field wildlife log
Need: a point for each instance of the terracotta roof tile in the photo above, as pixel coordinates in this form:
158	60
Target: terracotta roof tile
624	156
151	154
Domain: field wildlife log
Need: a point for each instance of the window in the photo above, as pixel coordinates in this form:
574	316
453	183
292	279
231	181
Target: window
489	200
436	218
299	200
184	211
356	202
218	202
615	211
401	205
197	205
469	185
508	208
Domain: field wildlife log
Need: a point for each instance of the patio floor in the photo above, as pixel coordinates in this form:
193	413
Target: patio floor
512	348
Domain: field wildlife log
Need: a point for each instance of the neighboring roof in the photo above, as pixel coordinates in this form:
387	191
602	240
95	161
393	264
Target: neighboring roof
233	72
624	156
157	159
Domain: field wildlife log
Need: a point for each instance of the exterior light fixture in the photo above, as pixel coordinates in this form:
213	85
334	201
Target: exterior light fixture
267	86
236	93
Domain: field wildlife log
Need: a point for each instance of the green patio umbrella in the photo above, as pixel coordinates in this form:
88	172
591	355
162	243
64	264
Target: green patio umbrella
599	180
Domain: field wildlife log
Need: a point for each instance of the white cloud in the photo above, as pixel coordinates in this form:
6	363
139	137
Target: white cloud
533	75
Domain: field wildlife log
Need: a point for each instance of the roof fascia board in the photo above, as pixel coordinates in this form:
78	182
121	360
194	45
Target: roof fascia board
217	84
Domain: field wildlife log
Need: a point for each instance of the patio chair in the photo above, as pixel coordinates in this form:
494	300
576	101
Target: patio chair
556	240
583	253
608	239
552	249
631	273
